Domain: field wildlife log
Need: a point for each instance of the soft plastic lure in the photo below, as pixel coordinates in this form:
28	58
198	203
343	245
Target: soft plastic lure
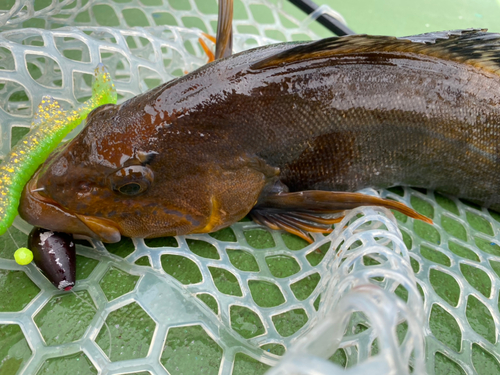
50	126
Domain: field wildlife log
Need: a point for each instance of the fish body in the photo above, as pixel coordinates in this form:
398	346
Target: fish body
198	153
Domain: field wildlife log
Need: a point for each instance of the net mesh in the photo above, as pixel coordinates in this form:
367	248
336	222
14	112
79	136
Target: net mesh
394	295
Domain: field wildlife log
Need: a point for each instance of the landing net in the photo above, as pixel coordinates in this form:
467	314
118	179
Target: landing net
379	295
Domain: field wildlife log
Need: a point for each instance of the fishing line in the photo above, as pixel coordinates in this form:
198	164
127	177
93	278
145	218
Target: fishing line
327	20
100	316
12	238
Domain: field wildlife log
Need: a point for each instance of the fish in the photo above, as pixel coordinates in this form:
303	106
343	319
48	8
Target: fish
286	133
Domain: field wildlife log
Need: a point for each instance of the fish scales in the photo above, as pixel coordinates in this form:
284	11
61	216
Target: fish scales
198	153
351	122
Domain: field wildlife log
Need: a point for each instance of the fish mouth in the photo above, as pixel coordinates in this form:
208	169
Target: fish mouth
44	212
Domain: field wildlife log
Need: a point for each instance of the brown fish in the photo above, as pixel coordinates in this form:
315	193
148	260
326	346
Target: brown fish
283	131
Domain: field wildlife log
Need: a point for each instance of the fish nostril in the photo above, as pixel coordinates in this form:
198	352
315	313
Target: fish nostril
59	167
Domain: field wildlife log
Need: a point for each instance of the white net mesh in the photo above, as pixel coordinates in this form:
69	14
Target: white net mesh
239	300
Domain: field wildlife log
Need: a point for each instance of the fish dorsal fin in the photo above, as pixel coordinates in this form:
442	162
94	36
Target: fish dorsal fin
475	47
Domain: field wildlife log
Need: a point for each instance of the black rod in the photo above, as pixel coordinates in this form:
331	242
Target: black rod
331	23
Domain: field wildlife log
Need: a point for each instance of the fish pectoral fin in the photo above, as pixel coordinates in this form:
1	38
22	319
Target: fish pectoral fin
206	48
297	223
301	212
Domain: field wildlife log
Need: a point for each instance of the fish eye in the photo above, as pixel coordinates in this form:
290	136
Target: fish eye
132	180
131	188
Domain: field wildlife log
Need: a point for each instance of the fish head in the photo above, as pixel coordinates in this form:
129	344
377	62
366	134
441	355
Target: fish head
125	174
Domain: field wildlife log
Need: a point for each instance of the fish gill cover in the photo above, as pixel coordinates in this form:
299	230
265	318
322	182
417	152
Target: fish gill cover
242	299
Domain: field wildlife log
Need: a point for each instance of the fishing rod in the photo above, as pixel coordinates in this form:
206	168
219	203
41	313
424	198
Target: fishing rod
331	23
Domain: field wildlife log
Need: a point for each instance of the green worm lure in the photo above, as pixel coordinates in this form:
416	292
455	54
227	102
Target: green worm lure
50	126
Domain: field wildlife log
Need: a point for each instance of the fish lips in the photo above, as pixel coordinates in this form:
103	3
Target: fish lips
44	212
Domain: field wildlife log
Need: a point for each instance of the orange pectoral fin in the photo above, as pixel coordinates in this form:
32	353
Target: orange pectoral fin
224	40
209	37
206	48
300	212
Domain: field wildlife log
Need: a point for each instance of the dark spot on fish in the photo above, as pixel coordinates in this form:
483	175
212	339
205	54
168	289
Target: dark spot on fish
306	170
80	207
105	194
172	212
190	219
